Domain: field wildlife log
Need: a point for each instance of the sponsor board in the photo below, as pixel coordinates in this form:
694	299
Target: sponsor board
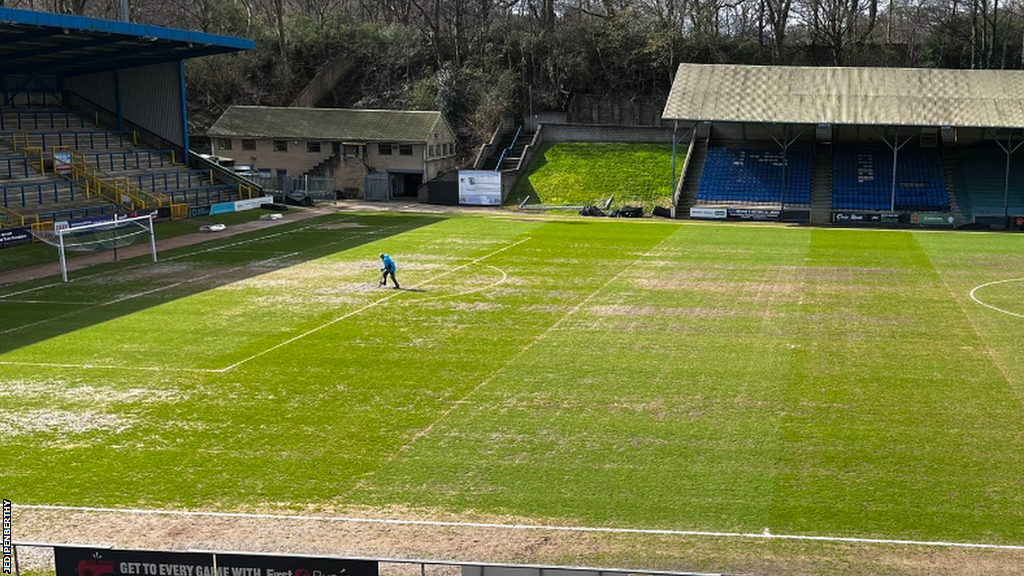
197	211
62	161
250	203
222	208
1017	223
865	218
14	237
107	562
480	187
931	219
753	214
709	213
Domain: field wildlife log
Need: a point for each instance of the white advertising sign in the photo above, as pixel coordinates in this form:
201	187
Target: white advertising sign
713	213
479	188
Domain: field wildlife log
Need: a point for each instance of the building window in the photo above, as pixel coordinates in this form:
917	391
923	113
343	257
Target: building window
384	149
281	172
280	145
224	143
351	151
405	149
430	151
313	147
248	144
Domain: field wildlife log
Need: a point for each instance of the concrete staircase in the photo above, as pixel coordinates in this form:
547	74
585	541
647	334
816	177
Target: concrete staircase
949	161
821	185
491	161
691	180
514	155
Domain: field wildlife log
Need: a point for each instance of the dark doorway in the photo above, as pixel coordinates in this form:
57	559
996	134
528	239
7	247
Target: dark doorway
405	185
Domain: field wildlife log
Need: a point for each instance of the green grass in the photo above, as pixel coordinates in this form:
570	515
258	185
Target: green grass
580	173
624	374
40	253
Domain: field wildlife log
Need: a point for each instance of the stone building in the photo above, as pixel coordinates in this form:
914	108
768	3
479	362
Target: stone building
401	148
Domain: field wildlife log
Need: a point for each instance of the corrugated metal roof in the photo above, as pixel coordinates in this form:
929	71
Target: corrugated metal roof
62	45
326	124
871	96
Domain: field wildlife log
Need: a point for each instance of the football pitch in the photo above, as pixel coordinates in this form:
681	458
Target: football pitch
634	375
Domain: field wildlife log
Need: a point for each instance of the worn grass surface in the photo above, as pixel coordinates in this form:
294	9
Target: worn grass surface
580	173
628	374
40	253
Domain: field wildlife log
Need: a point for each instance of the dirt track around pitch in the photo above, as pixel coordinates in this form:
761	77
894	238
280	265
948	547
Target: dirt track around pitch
452	543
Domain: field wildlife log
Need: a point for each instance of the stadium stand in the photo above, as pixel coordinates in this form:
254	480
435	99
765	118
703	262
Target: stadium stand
980	182
93	119
863	179
30	185
754	176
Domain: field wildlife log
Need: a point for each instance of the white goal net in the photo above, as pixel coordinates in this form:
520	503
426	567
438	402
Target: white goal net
118	232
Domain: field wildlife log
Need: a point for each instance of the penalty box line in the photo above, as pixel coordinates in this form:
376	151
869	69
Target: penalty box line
366	307
523	527
169	258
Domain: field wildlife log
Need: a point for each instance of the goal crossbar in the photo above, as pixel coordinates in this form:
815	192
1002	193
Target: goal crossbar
144	222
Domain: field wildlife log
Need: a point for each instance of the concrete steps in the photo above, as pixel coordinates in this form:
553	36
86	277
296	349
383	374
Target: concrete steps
691	180
821	185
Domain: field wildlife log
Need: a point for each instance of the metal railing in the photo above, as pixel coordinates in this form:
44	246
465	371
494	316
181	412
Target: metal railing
113	189
78	139
173	180
22	162
25	119
10	218
134	160
24	191
181	196
246	188
497	167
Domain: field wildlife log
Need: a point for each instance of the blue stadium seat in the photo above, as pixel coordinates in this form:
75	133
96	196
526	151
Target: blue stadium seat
862	179
754	176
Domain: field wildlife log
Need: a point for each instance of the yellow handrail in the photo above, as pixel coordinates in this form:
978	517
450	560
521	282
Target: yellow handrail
101	183
11	213
36	150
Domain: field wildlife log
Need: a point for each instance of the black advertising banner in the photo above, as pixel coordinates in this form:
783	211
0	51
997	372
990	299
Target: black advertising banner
93	562
14	237
753	214
861	218
197	211
1017	223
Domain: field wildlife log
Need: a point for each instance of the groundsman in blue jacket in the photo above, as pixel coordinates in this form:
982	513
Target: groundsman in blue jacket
388	268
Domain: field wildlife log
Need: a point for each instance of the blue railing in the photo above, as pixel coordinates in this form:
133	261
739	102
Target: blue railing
78	139
172	180
10	164
223	194
21	194
83	212
135	160
24	119
497	167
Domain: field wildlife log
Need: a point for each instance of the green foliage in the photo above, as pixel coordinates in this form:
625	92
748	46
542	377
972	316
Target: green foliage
578	173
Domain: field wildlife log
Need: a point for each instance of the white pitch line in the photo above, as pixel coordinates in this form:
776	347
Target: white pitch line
367	307
88	366
535	527
176	257
996	308
139	294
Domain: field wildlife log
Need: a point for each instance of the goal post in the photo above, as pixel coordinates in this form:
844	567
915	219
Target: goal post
111	234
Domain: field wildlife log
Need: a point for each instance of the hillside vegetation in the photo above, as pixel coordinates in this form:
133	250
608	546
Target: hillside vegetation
580	173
